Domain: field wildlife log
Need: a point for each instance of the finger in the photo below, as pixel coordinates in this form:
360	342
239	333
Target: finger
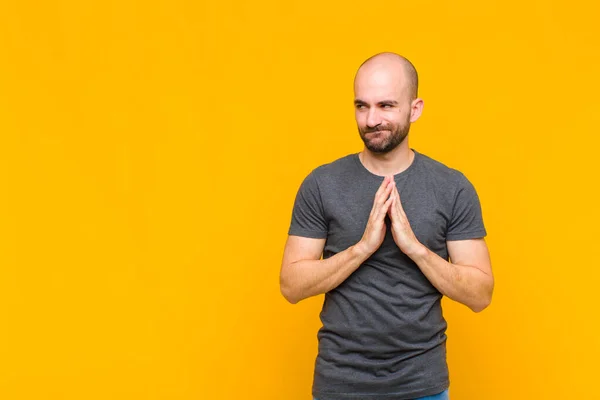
388	204
382	188
385	195
397	211
395	193
393	210
381	197
390	181
399	204
382	211
394	189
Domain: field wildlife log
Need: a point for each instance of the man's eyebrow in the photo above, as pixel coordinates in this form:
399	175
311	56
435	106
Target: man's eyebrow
391	102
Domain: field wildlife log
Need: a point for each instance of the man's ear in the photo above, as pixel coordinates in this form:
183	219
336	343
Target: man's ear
416	109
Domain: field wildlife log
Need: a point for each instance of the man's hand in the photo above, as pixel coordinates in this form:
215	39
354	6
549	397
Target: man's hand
375	230
401	230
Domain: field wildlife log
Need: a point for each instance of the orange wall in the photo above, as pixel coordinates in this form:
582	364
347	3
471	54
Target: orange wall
149	157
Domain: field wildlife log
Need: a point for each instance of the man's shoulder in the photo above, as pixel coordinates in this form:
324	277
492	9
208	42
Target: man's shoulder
440	170
337	166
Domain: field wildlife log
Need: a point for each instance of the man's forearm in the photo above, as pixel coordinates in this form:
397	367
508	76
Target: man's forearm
306	278
466	284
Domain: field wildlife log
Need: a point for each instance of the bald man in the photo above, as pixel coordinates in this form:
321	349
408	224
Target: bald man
384	234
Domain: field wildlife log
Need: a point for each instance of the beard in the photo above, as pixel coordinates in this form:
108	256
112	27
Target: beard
384	142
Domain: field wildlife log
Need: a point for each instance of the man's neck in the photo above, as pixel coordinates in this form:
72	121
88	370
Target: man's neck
391	163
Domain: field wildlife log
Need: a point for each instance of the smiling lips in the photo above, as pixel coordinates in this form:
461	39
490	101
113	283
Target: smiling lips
377	132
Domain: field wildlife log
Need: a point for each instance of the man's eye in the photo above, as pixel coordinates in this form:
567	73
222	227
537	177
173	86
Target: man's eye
359	106
386	105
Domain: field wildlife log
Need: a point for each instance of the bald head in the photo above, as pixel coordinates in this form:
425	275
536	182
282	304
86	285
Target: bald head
385	101
392	67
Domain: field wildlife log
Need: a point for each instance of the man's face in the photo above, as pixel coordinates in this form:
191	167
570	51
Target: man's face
382	109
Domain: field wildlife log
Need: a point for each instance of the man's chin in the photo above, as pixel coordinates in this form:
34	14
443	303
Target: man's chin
381	145
378	149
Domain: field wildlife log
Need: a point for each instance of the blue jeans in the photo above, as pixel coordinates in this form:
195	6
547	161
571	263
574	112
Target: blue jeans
440	396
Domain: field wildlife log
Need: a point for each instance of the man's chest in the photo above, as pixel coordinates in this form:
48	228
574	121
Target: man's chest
348	208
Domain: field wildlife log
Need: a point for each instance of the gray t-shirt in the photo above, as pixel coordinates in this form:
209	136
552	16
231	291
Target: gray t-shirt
383	333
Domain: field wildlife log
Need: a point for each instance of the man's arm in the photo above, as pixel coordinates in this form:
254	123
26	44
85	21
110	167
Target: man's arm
304	274
467	279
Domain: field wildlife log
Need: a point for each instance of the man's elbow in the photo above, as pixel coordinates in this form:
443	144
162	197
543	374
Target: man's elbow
289	296
288	291
483	302
480	306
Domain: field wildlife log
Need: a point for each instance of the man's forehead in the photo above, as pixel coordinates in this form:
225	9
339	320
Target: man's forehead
376	97
378	88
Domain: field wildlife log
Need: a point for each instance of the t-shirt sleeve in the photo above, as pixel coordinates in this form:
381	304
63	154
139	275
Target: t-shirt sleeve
308	217
466	221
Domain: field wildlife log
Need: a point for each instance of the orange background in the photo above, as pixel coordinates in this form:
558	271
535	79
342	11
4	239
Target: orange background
150	153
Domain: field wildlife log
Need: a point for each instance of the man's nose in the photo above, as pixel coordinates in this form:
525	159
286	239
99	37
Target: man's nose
373	118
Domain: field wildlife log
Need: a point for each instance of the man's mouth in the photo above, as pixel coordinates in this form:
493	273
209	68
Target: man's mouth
381	131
